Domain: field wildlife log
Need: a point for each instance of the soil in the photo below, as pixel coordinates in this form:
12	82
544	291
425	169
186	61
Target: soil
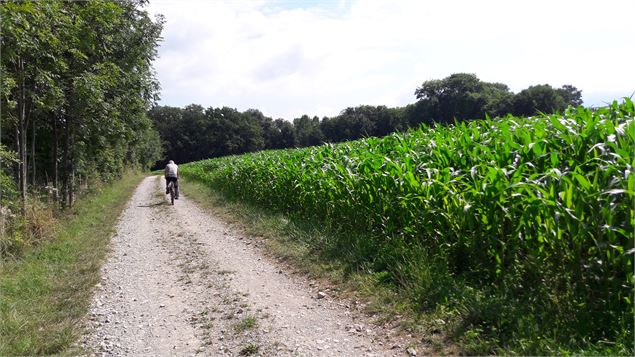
180	281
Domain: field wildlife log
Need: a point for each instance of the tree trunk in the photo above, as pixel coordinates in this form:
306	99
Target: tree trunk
17	167
71	194
54	155
65	177
23	164
23	126
33	153
69	168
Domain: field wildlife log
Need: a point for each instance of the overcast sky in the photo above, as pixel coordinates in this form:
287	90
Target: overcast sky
288	58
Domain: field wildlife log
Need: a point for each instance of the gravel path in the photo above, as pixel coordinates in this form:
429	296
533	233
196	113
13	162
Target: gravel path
182	282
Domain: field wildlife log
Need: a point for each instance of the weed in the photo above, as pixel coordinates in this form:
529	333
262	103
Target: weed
247	323
249	349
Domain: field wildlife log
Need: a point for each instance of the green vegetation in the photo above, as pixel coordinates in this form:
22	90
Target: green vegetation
44	295
76	82
517	231
195	133
247	323
75	87
249	349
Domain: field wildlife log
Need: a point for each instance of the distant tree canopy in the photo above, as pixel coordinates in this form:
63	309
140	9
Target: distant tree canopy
463	96
77	83
544	98
194	133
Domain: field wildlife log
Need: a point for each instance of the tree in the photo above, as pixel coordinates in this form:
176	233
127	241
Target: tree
497	99
30	58
251	130
462	96
287	136
571	95
308	131
388	120
166	119
77	75
539	98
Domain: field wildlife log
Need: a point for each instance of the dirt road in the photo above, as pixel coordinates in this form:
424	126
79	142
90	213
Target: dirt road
181	282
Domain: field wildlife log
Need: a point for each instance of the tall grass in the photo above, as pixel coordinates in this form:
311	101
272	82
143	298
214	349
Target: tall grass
524	226
46	291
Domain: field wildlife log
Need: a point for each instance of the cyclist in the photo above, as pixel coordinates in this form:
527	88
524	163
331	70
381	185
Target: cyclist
172	175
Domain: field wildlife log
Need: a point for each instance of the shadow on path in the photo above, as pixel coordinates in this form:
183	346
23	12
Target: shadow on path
155	204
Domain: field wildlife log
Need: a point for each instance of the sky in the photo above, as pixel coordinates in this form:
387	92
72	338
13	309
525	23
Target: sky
287	58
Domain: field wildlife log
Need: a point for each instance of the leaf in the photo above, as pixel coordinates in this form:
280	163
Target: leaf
616	191
586	185
555	121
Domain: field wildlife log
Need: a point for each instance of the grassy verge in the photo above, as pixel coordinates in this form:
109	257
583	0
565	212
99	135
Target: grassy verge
308	248
45	294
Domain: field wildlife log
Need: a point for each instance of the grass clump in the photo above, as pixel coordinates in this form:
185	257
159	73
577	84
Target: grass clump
47	291
247	323
249	349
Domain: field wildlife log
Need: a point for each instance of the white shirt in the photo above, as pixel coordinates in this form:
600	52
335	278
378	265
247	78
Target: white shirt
171	170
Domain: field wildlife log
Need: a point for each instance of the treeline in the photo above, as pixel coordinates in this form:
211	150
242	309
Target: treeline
77	83
195	133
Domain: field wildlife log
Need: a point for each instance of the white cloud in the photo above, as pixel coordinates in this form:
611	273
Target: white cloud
290	58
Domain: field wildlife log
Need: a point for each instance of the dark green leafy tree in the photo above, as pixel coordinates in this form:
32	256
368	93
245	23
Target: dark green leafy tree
571	95
29	65
250	129
308	131
496	99
388	120
462	96
77	82
286	137
540	98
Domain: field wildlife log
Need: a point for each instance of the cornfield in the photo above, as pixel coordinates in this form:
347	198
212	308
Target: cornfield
534	204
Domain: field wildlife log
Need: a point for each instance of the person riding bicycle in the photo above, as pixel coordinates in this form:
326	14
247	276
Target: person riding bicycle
172	175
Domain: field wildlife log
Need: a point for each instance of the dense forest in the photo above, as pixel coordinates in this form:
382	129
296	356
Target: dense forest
77	82
194	133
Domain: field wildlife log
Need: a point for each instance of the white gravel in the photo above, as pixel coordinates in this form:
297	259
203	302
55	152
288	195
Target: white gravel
182	282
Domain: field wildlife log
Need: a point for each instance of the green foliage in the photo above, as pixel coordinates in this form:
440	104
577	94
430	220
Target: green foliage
76	84
523	226
462	96
8	189
194	133
540	98
249	349
247	323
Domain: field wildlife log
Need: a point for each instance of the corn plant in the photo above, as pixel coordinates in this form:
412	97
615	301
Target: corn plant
529	204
